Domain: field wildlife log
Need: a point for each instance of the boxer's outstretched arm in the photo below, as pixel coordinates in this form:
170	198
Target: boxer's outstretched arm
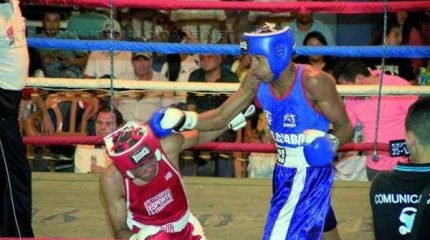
218	118
176	143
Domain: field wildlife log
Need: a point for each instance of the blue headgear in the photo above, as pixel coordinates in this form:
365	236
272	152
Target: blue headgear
277	47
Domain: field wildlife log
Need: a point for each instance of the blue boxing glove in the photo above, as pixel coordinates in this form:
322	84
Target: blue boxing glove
319	148
172	120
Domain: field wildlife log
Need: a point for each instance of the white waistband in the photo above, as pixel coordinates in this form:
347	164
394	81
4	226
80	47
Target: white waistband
172	227
291	157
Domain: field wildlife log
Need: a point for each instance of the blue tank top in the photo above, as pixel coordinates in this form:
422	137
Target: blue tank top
291	114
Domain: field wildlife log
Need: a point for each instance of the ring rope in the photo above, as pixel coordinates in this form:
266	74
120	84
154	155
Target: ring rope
76	83
322	7
224	49
380	84
211	146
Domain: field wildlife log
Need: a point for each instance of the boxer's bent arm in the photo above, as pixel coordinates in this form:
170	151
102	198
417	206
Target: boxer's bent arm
111	185
322	90
218	118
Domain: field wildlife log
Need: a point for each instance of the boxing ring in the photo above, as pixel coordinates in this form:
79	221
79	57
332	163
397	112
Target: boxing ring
68	205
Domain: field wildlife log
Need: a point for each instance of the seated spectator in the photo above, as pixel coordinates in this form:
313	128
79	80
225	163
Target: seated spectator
305	23
391	115
260	165
393	65
90	158
99	62
212	70
142	105
59	63
400	198
320	62
178	67
241	66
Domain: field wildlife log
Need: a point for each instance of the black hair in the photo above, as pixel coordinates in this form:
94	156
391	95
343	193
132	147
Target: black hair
317	35
417	120
118	115
348	69
377	38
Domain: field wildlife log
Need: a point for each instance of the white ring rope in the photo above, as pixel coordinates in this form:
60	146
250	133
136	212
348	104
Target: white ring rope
93	84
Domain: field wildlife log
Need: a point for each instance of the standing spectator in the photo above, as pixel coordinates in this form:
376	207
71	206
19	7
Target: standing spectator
211	70
305	23
99	62
400	198
91	158
141	107
398	66
58	63
410	36
320	62
392	112
15	172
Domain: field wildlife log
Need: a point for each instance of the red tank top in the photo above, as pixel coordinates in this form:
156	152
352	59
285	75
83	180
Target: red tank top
160	201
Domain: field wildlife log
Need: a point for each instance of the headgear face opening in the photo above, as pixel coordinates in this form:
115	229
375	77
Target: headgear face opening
277	47
131	145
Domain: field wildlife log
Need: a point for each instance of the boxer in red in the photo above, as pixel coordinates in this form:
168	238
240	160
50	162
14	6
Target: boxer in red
143	189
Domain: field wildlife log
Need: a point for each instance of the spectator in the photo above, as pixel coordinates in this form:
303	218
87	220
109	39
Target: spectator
99	62
211	70
93	158
400	198
392	112
320	62
205	33
241	66
142	105
179	67
394	65
260	165
305	23
410	36
58	63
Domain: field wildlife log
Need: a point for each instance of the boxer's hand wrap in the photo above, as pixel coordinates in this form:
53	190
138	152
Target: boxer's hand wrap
319	148
239	121
172	120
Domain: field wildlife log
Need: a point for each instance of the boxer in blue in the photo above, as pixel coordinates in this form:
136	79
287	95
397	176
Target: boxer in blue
299	102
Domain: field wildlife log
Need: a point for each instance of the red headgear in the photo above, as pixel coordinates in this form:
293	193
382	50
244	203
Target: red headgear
131	145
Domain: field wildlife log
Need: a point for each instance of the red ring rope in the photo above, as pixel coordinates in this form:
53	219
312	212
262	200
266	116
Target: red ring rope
323	7
212	146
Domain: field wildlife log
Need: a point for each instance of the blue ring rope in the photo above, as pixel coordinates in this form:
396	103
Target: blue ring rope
225	49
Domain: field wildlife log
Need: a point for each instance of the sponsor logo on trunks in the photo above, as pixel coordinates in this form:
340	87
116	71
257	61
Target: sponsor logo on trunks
289	120
291	139
168	228
158	202
140	154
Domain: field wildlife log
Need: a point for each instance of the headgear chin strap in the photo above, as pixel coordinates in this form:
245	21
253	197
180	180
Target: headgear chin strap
277	47
131	145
